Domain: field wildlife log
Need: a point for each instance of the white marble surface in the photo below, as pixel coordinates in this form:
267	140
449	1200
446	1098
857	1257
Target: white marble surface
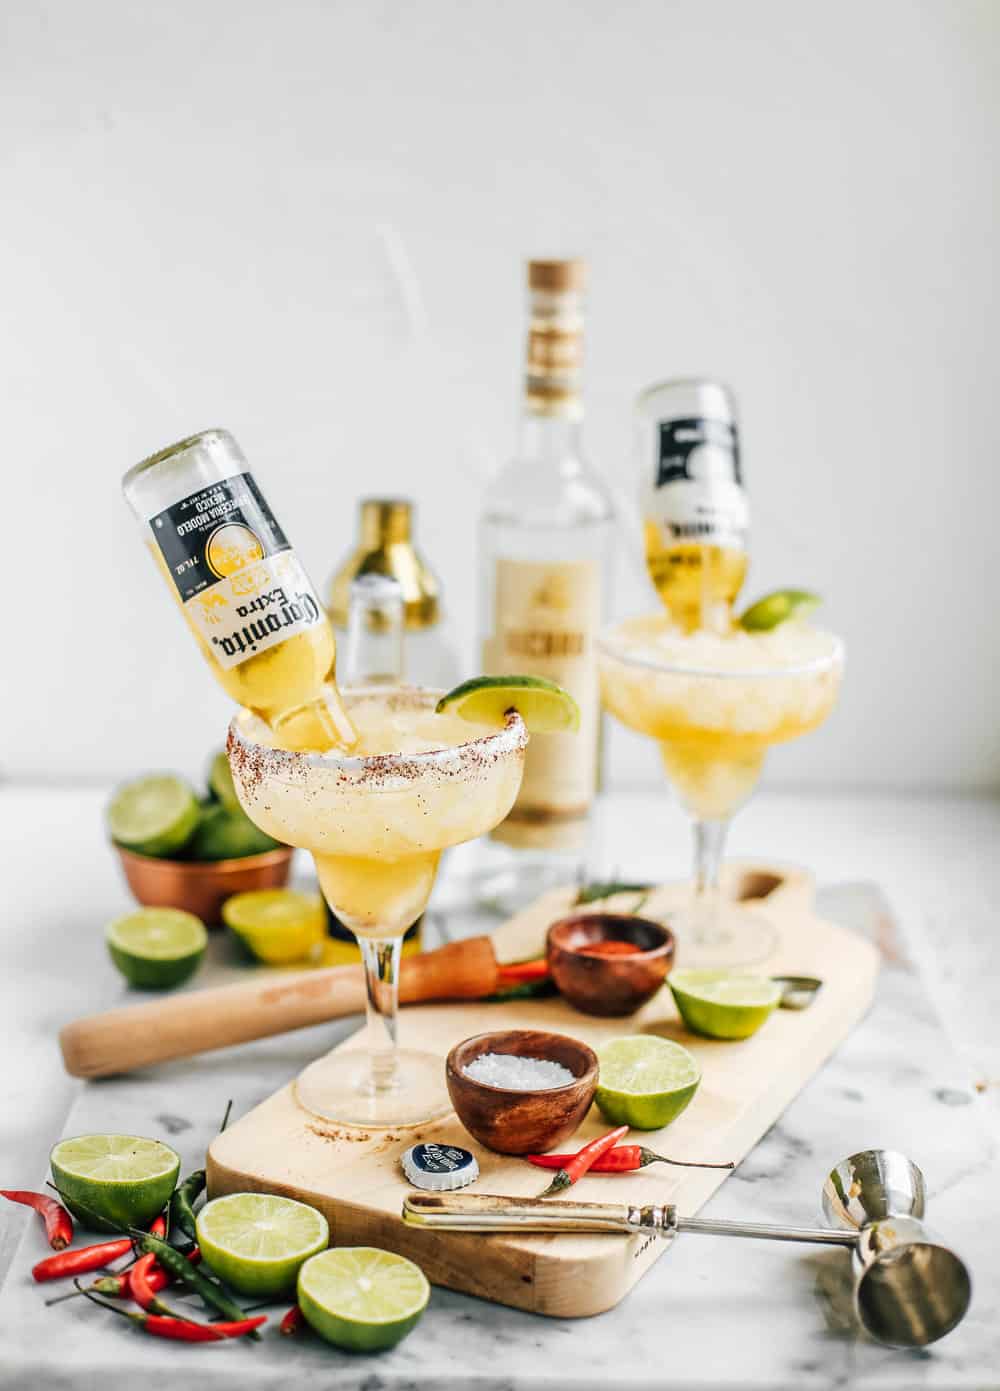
711	1312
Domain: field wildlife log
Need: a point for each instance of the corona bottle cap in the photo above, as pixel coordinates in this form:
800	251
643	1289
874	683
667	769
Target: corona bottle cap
439	1168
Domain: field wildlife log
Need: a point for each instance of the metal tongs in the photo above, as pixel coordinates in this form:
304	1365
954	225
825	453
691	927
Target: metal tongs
909	1289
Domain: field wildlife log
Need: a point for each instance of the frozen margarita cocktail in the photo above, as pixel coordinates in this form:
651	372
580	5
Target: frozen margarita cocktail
715	703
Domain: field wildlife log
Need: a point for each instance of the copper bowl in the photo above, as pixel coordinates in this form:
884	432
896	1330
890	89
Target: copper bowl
520	1122
608	985
202	886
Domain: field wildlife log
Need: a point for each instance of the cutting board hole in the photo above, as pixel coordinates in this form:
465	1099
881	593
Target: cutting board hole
758	885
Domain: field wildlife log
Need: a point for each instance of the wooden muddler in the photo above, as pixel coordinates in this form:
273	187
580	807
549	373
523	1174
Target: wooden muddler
101	1045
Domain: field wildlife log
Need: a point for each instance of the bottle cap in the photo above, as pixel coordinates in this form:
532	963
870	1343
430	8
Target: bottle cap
558	276
439	1168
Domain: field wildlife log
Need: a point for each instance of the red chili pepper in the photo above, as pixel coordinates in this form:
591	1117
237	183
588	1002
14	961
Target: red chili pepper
81	1260
86	1258
145	1278
293	1322
577	1164
623	1159
159	1226
181	1330
522	971
58	1223
117	1286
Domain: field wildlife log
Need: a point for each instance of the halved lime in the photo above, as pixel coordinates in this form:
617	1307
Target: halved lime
153	815
777	608
723	1004
362	1299
113	1182
155	948
257	1241
276	925
226	835
220	782
645	1081
543	706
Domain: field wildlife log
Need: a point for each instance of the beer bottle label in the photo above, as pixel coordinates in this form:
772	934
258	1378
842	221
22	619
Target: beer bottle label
697	494
238	579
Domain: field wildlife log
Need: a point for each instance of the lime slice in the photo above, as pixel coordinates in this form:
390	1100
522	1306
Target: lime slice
362	1299
226	835
153	815
545	707
155	948
277	925
645	1081
777	608
220	782
723	1004
257	1241
113	1182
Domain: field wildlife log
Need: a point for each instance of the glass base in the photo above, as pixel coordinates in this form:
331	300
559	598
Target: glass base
338	1088
722	934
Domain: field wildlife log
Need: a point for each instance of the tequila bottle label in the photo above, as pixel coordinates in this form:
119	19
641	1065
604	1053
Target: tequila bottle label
241	584
546	618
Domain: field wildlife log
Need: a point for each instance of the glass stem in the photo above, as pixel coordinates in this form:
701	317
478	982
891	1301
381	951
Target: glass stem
381	961
709	841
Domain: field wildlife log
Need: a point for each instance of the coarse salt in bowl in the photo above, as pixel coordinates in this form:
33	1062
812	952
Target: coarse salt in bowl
510	1104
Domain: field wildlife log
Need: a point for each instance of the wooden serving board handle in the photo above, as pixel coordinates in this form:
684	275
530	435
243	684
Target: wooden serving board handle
201	1020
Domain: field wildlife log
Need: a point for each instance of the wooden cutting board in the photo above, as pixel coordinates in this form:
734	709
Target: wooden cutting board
354	1178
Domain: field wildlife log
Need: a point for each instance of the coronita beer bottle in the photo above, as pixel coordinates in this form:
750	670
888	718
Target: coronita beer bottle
695	513
241	588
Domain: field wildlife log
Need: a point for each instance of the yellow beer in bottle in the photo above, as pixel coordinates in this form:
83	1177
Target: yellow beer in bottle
242	590
695	514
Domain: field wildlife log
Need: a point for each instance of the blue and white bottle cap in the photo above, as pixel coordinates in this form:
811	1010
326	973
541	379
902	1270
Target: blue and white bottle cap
440	1168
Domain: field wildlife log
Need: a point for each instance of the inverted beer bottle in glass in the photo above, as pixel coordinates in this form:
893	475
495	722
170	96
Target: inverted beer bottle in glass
241	589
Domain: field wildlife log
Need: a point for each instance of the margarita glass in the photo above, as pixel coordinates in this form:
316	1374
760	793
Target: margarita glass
715	705
376	821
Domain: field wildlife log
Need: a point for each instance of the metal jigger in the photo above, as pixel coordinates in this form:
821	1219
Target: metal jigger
909	1289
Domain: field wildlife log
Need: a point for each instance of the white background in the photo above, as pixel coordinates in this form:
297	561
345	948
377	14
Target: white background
306	222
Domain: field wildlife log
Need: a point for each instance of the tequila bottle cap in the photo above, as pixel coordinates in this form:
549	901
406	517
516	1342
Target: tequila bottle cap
439	1168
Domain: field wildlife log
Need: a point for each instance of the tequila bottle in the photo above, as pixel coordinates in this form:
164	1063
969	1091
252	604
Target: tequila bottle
546	533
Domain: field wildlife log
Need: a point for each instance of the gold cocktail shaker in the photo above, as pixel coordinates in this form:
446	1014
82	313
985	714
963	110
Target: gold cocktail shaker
385	547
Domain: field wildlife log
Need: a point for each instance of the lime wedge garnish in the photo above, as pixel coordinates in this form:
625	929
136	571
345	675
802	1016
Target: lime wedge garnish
777	608
155	948
153	815
362	1299
220	782
645	1081
276	925
226	835
112	1182
256	1241
723	1004
543	706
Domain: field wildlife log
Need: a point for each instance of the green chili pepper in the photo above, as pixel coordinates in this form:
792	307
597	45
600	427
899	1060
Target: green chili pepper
181	1269
183	1201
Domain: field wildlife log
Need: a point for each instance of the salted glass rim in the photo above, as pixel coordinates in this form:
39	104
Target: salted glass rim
512	738
607	646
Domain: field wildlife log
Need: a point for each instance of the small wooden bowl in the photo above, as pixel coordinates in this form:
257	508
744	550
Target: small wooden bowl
202	887
517	1122
608	985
